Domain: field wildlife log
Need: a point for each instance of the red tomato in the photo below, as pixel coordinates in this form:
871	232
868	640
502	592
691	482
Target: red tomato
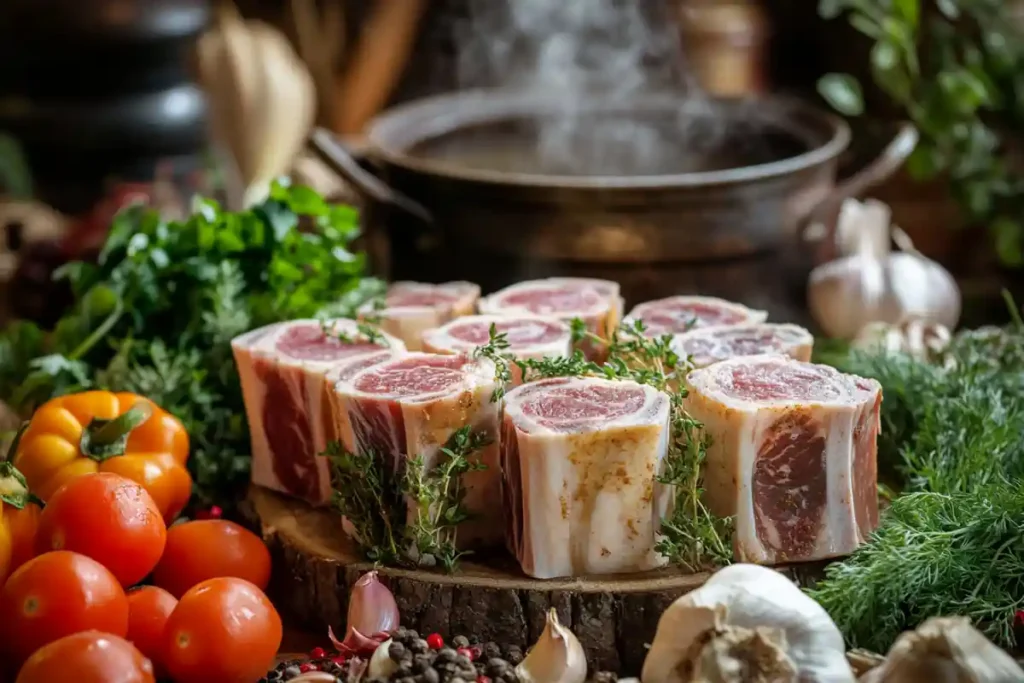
222	631
148	609
109	518
87	657
55	595
211	548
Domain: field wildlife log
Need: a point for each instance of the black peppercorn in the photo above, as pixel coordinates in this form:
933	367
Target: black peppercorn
407	680
431	676
396	651
413	633
515	655
460	641
291	672
446	654
463	661
404	670
509	676
419	646
491	650
456	679
421	663
496	667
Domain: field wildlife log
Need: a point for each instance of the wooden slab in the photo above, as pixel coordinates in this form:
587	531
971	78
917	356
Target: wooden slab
614	617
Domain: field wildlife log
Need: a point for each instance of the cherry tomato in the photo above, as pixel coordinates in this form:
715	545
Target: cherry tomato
148	610
109	518
55	595
87	657
207	549
223	631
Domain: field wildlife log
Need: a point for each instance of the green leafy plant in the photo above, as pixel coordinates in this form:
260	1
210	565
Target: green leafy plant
376	500
956	69
156	314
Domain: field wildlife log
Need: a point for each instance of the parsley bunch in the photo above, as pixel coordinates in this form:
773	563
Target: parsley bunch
157	311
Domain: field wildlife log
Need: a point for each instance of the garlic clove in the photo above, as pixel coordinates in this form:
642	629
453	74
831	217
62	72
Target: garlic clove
314	677
733	654
381	665
371	606
556	657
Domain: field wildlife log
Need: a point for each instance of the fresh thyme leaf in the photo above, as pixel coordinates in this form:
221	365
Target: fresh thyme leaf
496	350
375	501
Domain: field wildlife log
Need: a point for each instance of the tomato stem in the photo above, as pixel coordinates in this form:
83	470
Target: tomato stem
105	439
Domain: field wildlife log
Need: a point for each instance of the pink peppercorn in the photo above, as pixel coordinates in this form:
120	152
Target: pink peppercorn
435	641
317	653
306	668
467	652
482	679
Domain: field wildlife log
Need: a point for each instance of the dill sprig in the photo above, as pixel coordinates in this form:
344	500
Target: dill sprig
409	516
691	536
934	554
496	350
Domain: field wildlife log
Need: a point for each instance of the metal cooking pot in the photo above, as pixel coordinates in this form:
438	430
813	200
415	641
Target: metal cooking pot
717	204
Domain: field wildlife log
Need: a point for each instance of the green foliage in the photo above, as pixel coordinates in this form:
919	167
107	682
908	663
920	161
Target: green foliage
956	68
157	312
374	497
953	544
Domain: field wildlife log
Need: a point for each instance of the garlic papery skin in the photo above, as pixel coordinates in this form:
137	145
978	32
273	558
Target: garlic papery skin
556	657
371	606
749	597
872	283
918	338
740	655
945	650
381	665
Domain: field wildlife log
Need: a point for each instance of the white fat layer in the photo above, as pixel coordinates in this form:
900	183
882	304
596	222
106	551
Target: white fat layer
737	434
795	341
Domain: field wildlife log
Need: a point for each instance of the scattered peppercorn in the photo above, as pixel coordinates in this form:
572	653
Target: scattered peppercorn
396	651
435	641
460	641
317	653
491	650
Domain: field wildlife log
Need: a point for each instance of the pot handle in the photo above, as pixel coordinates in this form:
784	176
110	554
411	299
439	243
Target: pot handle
333	153
820	223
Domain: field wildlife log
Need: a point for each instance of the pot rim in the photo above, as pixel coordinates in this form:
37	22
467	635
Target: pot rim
432	117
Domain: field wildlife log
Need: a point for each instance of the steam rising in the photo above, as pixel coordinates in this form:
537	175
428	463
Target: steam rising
585	51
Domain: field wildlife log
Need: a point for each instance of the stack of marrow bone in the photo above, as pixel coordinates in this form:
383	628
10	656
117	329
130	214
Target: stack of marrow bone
596	302
792	456
411	308
283	369
575	461
528	336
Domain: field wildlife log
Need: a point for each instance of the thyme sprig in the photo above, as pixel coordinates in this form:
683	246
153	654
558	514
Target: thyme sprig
407	516
496	350
691	536
367	332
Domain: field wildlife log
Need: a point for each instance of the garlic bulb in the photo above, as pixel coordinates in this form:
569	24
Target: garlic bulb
913	337
736	600
262	98
873	283
556	657
945	650
381	665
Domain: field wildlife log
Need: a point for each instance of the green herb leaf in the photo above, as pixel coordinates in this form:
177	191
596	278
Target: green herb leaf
843	93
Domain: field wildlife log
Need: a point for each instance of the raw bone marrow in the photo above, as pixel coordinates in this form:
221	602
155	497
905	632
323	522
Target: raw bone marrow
707	345
678	314
793	455
580	458
598	303
410	308
410	405
529	337
282	369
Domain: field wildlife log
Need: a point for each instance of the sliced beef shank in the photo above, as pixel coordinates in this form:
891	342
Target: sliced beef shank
579	462
596	302
678	314
529	336
792	456
410	308
409	406
282	368
707	345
